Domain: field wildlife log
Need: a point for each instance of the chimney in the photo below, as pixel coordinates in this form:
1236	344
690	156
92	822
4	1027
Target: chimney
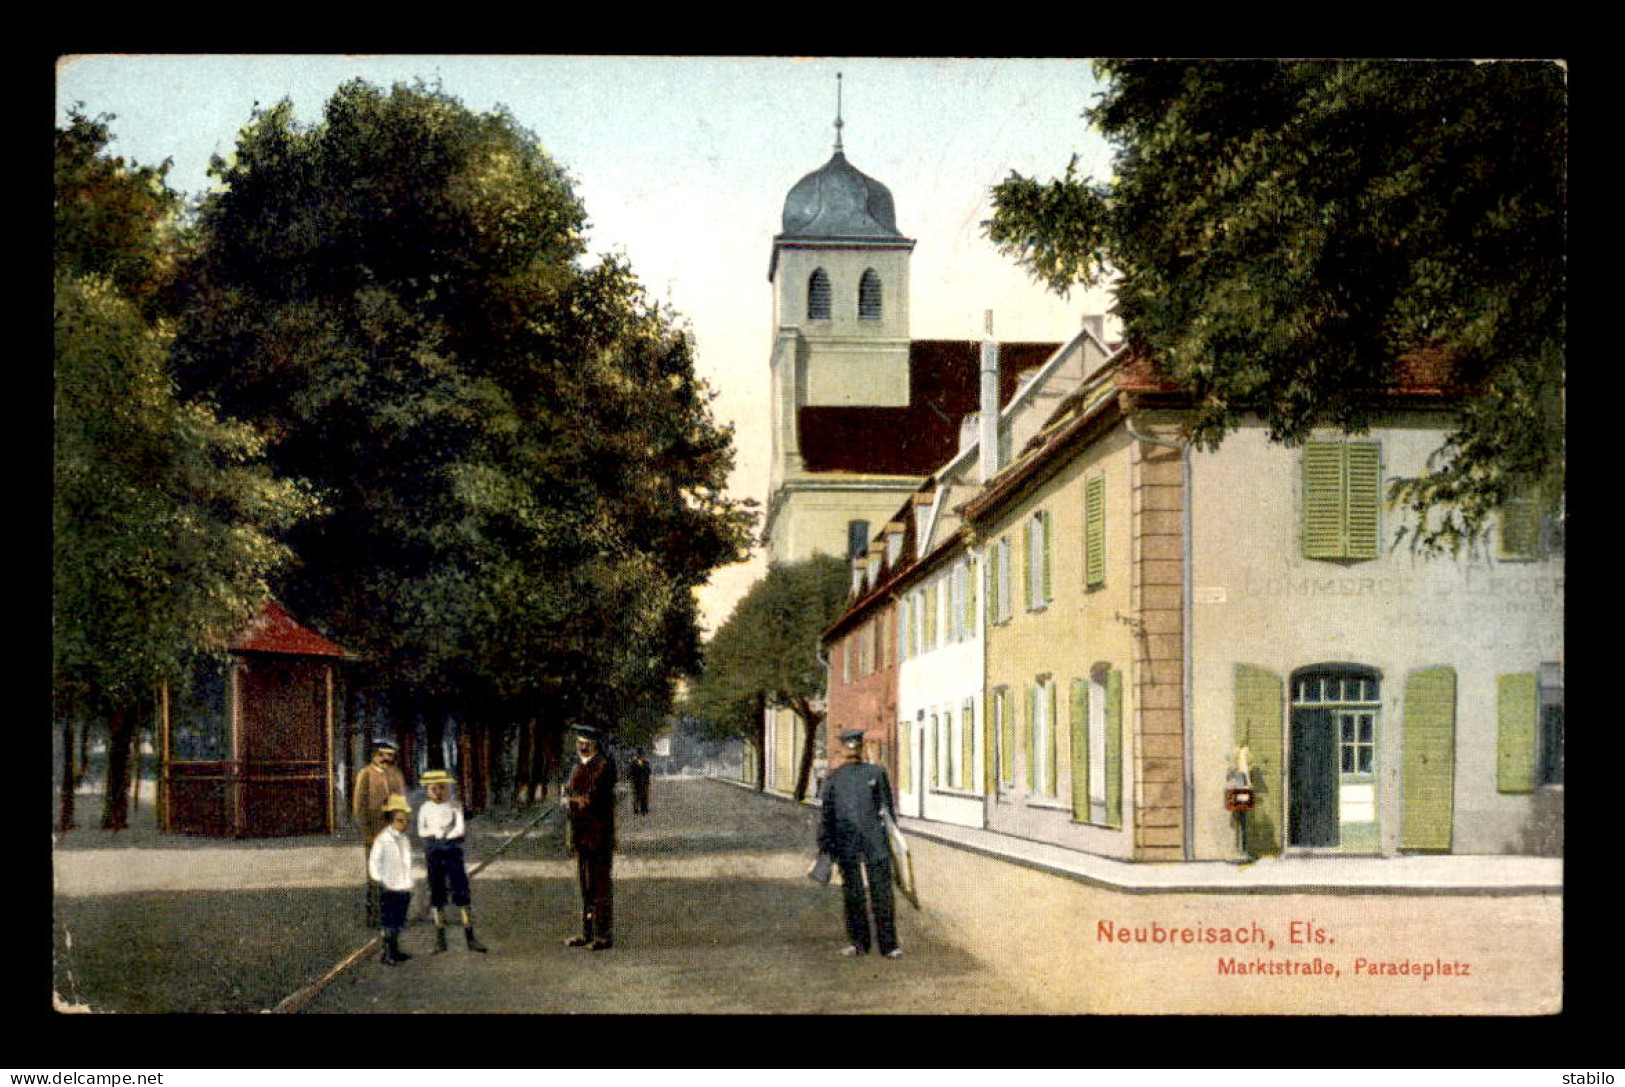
989	422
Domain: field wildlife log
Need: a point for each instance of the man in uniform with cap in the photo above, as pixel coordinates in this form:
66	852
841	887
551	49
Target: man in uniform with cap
852	830
589	803
442	828
377	782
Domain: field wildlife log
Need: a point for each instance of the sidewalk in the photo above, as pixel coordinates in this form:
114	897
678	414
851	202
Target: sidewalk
1298	874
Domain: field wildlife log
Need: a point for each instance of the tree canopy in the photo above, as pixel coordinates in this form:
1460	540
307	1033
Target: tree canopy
165	518
766	653
522	479
1280	235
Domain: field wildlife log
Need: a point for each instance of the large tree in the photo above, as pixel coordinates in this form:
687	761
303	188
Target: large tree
767	654
164	516
523	480
1281	235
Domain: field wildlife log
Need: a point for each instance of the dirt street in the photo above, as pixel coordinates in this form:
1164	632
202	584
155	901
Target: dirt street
714	914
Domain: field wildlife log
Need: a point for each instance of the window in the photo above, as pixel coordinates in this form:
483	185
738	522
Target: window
818	296
1041	752
1038	564
956	602
1004	726
1094	532
869	296
1342	485
1525	530
941	769
857	539
1551	725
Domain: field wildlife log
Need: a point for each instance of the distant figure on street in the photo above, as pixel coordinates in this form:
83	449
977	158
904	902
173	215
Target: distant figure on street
442	827
852	830
377	782
389	864
639	773
589	804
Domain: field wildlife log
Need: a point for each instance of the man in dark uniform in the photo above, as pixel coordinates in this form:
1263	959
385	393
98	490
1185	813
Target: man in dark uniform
852	830
639	774
589	803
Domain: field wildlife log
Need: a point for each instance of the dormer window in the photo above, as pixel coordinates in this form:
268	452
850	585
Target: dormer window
818	296
869	296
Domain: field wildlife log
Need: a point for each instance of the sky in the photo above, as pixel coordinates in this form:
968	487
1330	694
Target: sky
683	163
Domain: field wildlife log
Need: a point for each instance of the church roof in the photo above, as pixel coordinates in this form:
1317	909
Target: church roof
838	200
944	387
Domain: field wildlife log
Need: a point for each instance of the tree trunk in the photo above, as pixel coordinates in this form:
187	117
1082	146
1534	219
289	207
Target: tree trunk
523	771
116	797
759	728
809	745
64	819
82	768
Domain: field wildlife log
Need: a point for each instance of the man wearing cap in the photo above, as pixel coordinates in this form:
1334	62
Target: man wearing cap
589	802
853	831
374	785
389	864
441	826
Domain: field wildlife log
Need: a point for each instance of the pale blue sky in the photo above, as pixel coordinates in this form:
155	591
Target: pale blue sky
683	164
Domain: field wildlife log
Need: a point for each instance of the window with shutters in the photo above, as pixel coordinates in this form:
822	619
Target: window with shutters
1524	532
931	617
1004	728
869	296
818	296
1342	485
1041	775
1094	532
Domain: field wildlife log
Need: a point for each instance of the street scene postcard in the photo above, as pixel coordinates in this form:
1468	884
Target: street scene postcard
691	535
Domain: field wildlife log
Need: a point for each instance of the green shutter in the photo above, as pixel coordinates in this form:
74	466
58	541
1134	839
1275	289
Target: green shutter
1342	497
1259	697
1052	744
1518	713
967	746
1094	532
1364	490
1007	737
970	598
1027	562
905	752
1520	528
990	569
1078	712
1028	748
1322	501
1428	765
1114	748
1048	585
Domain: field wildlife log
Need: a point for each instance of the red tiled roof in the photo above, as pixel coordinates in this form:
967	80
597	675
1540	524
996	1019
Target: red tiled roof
944	387
273	630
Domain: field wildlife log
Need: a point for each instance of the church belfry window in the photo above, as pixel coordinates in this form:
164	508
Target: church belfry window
818	296
869	296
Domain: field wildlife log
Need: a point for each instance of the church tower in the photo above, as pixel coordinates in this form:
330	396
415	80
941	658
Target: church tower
839	273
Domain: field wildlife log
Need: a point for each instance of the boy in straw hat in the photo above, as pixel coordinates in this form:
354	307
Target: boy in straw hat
441	826
390	866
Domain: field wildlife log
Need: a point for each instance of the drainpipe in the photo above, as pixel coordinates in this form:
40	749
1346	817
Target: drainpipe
1187	596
